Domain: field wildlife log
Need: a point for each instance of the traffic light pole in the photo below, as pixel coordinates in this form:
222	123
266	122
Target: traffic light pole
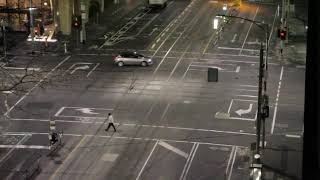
263	108
3	28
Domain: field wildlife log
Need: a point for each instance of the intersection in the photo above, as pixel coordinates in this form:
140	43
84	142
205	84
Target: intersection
171	122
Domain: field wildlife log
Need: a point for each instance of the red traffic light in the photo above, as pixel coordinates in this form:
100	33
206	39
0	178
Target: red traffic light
282	34
76	23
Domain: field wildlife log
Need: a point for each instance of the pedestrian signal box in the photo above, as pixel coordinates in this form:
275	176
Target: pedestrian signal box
213	74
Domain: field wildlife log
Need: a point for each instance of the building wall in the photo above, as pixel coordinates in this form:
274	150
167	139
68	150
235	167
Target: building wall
66	12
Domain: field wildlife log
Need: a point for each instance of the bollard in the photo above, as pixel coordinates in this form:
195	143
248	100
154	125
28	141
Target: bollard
65	48
46	42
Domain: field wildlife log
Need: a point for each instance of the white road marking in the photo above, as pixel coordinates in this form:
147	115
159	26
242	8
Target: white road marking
229	161
190	162
187	162
147	24
239	49
274	20
176	66
124	137
276	104
250	90
80	67
158	40
165	111
292	136
244	42
219	68
95	67
245	85
205	49
242	119
230	106
246	111
25	136
45	77
59	111
153	46
237	69
145	163
234	158
24	146
137	125
234	38
110	157
112	40
174	149
86	111
17	68
247	96
232	55
7	92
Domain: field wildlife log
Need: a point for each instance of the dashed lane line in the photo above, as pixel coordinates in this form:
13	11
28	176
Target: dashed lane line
277	100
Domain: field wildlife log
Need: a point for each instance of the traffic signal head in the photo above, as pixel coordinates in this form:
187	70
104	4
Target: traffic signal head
282	34
76	22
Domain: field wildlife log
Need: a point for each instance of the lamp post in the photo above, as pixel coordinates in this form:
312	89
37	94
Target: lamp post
263	107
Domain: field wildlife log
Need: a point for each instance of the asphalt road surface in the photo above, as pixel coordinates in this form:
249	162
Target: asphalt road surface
171	123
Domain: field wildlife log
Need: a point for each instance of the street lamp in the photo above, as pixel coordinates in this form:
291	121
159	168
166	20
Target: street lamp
263	112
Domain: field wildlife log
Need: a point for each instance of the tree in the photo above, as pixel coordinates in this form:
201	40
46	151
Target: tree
16	82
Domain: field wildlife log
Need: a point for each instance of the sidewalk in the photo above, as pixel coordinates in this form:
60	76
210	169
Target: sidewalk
294	51
282	158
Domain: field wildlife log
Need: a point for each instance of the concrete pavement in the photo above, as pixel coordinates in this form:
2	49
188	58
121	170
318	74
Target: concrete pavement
171	122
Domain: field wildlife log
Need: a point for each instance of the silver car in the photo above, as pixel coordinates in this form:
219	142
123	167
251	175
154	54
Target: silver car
131	58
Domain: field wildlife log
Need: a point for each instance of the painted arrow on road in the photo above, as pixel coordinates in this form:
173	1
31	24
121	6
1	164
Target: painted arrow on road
246	111
153	30
86	110
80	67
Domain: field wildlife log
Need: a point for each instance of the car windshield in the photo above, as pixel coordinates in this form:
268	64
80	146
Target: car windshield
131	54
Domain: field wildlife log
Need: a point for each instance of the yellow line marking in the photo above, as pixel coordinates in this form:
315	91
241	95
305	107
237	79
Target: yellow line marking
68	157
205	49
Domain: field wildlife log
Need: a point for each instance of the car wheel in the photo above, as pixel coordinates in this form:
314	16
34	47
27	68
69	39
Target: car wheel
120	63
143	63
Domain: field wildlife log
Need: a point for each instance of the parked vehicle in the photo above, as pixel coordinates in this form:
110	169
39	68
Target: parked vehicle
157	3
131	58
